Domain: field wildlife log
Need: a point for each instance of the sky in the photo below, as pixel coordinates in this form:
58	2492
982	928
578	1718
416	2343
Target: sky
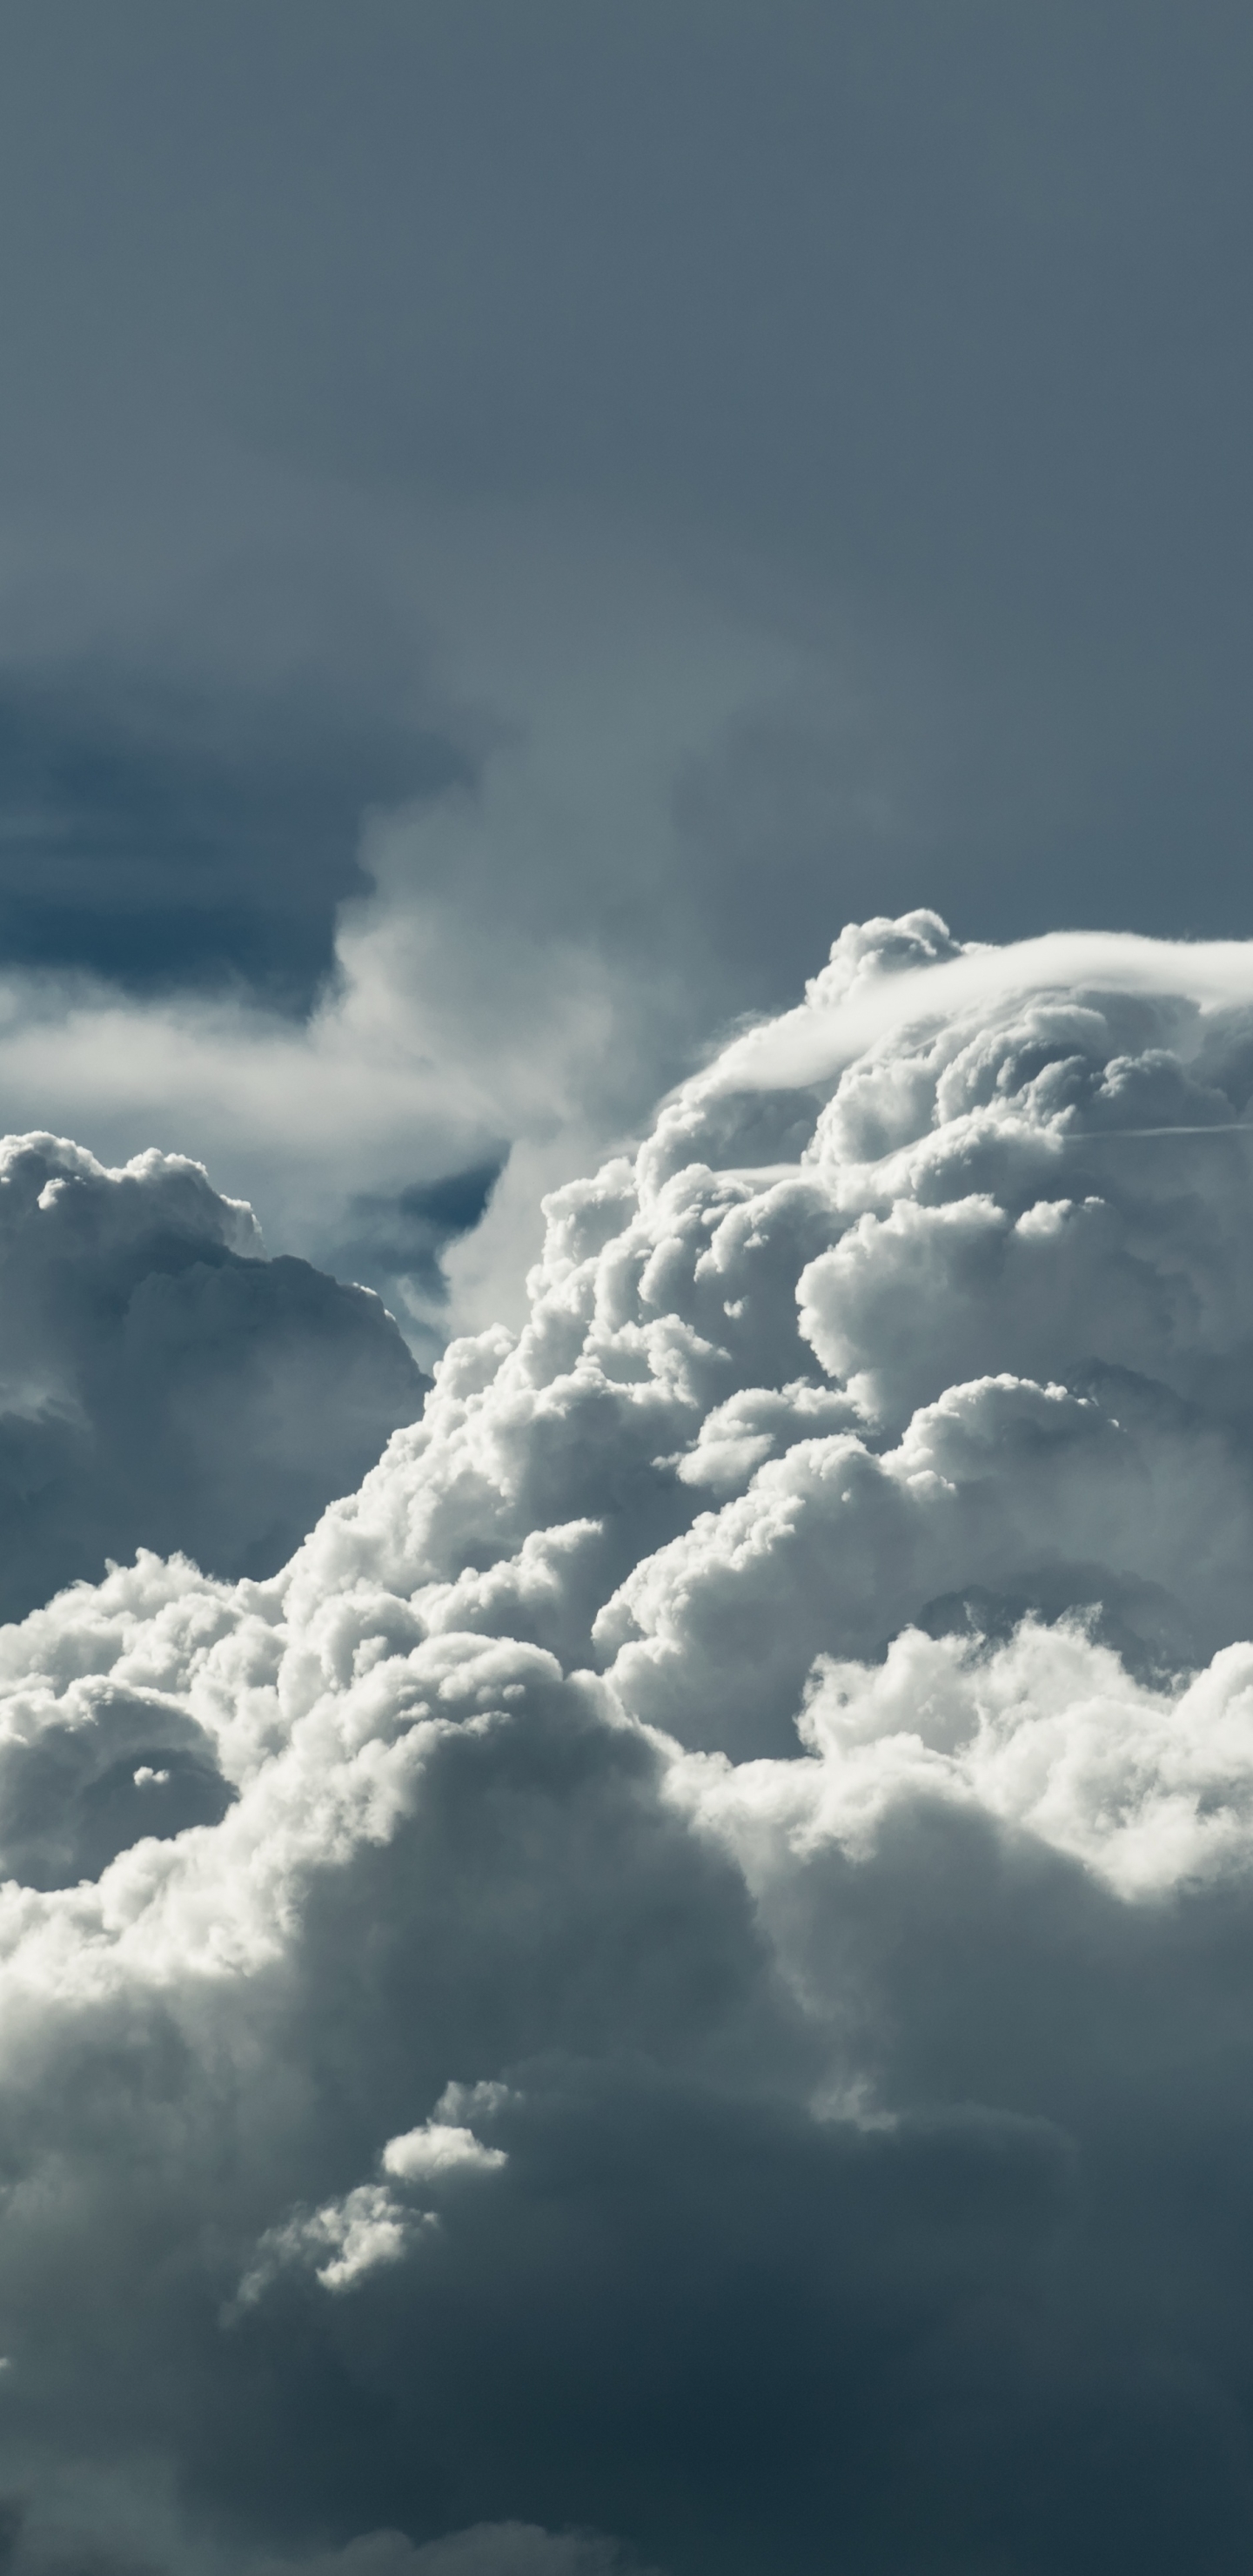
515	523
649	1979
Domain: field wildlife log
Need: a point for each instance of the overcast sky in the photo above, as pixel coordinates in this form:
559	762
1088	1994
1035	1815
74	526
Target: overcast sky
655	1984
643	485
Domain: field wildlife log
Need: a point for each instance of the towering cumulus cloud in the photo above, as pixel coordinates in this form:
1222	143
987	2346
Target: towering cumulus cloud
695	2013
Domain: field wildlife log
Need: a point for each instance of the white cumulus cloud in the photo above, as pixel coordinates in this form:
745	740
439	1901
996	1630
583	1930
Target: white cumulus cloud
719	1934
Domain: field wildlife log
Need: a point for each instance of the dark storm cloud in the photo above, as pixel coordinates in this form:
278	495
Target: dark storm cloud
913	335
401	1236
159	836
488	2549
164	1385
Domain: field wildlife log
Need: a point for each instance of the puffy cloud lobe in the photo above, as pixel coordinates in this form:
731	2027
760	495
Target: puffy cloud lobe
341	2242
162	1382
1048	1733
371	2225
710	2009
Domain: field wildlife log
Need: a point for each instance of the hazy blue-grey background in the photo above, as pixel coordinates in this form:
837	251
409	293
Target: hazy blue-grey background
688	473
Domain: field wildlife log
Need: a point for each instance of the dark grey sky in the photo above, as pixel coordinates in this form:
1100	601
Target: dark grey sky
912	336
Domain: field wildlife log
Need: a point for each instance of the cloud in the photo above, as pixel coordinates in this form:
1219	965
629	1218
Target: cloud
439	470
707	2008
489	2549
326	740
370	2225
397	1240
190	831
162	1383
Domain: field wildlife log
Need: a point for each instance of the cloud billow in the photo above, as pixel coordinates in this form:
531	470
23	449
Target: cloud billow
701	2025
162	1384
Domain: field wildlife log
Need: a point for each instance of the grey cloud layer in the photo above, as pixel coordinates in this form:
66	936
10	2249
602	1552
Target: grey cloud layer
162	1383
159	834
698	2019
909	340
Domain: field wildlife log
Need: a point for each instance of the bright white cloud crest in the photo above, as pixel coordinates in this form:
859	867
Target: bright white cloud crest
829	1611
